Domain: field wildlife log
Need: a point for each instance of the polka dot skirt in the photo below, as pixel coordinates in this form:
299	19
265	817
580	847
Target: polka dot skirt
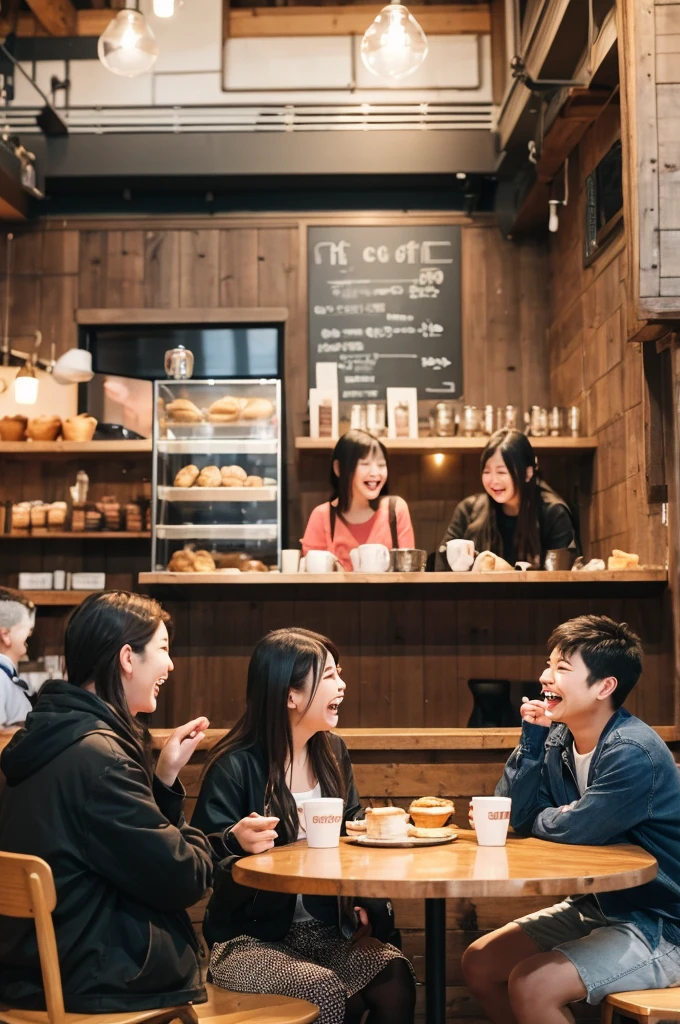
314	962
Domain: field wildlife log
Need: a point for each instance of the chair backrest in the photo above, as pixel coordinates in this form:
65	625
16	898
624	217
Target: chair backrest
27	890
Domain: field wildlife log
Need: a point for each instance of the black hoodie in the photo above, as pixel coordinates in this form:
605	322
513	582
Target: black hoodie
125	863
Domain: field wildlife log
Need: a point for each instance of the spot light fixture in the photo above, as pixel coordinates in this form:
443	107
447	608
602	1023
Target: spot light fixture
394	45
127	46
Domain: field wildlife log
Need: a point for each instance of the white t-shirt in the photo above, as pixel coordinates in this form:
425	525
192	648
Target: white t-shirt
582	763
299	798
14	704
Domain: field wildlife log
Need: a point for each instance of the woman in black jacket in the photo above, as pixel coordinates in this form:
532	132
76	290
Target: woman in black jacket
82	794
280	753
518	516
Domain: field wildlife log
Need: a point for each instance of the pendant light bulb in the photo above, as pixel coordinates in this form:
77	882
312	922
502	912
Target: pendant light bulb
127	46
164	8
26	386
394	45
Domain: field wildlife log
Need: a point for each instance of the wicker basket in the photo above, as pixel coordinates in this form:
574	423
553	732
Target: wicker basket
13	428
44	428
80	428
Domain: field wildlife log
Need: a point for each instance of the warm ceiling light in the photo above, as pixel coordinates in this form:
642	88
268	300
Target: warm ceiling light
26	386
127	46
164	8
394	45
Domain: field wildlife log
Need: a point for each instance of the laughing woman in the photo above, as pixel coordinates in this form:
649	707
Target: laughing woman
280	753
82	793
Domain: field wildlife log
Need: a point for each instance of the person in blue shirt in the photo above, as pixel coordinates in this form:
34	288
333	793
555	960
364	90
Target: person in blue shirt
587	772
17	618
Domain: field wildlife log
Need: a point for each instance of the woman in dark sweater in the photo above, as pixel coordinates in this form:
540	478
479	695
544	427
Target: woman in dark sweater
82	794
518	516
280	753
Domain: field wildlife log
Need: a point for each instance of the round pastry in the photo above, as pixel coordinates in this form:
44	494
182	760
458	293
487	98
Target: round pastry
254	481
13	428
257	409
431	811
44	428
209	477
224	410
203	562
430	833
184	411
187	476
386	822
358	825
181	561
253	565
234	471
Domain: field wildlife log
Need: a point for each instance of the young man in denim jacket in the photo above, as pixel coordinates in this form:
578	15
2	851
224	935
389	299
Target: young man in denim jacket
587	772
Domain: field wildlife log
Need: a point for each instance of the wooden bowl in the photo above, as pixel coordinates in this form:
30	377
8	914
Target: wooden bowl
44	428
80	428
13	428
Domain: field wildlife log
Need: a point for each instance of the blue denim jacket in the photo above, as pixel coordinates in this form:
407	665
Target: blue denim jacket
633	796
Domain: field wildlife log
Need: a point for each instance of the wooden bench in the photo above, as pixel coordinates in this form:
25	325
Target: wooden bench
650	1006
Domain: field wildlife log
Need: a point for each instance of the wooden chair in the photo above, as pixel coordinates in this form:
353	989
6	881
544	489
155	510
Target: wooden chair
27	890
650	1006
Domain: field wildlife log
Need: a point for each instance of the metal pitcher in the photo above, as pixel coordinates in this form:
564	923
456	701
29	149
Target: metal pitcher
407	560
179	363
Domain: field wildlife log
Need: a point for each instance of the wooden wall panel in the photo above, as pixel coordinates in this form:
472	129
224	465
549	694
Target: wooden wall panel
593	366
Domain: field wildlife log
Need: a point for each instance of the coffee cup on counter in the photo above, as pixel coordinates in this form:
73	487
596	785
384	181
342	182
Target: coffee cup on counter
319	562
408	560
370	558
290	560
559	559
460	554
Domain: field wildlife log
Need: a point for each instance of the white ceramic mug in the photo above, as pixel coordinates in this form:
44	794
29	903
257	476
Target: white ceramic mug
492	819
370	558
319	561
290	560
322	820
460	554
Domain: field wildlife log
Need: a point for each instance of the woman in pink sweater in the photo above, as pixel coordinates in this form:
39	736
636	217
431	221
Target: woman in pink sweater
357	512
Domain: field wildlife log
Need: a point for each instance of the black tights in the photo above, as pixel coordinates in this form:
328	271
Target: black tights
390	998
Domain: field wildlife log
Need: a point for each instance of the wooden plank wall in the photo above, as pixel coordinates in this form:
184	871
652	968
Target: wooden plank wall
593	365
60	266
667	68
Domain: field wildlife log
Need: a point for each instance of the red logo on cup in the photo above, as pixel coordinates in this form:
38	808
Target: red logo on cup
326	819
498	815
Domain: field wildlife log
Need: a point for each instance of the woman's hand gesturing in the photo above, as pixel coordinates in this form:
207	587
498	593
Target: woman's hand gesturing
178	749
255	834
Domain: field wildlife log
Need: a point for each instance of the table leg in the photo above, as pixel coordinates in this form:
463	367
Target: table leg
435	961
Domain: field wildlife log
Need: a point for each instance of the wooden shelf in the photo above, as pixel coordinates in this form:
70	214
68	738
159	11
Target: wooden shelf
450	580
431	445
142	447
56	598
70	535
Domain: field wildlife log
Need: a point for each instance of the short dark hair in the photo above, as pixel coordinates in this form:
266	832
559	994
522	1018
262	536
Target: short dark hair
607	648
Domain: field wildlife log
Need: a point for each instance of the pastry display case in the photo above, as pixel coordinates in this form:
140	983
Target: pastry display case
216	476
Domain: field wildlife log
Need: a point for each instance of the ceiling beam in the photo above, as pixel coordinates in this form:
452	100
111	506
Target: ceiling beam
352	19
86	23
57	17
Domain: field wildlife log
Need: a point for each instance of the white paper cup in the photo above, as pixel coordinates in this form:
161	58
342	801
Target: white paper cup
290	560
492	819
320	562
460	554
322	819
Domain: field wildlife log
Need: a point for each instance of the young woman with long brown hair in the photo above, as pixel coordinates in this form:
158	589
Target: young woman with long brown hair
280	753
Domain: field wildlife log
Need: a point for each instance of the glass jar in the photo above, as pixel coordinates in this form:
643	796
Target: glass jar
443	420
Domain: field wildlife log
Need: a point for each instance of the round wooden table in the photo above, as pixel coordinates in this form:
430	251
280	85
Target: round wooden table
525	867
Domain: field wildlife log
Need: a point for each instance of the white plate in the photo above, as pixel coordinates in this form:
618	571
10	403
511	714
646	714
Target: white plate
409	841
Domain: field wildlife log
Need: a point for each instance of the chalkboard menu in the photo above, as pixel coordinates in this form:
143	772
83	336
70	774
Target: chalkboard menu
384	304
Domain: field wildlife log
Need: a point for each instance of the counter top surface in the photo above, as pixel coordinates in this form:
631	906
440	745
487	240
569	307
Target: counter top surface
428	579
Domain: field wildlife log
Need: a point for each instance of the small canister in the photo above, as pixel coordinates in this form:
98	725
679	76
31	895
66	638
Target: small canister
357	420
488	419
179	363
574	420
443	420
470	422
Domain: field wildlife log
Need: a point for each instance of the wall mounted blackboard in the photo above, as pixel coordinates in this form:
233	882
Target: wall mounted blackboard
384	303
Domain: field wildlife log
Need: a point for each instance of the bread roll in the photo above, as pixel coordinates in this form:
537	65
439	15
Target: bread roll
254	481
230	559
183	411
187	476
253	565
236	471
209	477
181	561
257	409
630	558
226	410
203	562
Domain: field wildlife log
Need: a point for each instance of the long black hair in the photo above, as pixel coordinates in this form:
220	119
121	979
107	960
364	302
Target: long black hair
351	447
282	661
95	635
518	455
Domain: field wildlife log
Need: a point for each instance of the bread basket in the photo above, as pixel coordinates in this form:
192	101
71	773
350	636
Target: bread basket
44	428
79	428
13	428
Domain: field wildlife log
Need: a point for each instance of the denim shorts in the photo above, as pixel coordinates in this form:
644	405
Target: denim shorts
610	956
